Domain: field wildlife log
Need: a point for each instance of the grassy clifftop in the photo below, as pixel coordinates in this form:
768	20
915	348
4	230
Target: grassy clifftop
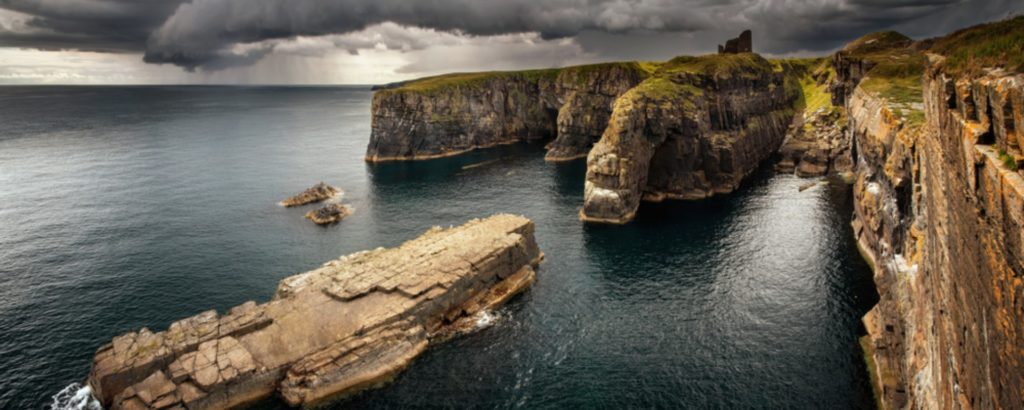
469	80
999	44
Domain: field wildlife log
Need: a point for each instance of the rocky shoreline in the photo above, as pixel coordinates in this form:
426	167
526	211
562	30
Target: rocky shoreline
928	132
347	326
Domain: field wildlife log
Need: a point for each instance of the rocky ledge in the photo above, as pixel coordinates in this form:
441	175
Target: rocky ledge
349	325
316	193
329	214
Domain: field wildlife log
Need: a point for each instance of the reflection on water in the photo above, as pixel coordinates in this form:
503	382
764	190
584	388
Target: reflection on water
125	207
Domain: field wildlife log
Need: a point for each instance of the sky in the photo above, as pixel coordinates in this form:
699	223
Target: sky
380	41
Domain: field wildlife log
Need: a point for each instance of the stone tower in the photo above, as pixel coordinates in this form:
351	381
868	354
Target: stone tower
742	44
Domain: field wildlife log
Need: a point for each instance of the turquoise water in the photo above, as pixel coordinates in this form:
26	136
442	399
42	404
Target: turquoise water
124	207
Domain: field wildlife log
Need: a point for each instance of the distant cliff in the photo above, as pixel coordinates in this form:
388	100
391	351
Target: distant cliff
451	114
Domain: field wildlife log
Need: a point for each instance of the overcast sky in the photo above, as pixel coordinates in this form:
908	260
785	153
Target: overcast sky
377	41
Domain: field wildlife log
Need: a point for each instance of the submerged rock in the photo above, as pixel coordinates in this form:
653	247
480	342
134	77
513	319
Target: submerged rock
350	325
329	214
316	193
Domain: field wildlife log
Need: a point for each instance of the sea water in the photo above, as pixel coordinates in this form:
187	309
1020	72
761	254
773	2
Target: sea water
130	207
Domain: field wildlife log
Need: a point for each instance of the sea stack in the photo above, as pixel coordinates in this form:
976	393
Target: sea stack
316	193
349	325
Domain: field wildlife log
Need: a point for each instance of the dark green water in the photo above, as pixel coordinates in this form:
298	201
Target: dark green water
136	206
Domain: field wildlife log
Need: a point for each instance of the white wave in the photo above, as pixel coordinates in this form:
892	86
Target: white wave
75	397
486	319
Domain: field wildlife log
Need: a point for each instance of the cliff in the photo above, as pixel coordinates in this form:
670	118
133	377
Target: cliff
697	127
347	326
939	211
451	114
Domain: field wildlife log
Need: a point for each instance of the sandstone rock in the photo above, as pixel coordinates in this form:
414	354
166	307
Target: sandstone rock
316	193
694	130
349	325
329	214
449	115
817	143
938	212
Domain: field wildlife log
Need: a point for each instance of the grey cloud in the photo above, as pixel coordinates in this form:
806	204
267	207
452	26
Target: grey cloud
94	25
219	34
206	30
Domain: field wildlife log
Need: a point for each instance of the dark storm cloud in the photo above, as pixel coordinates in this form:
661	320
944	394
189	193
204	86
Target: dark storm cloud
94	25
216	34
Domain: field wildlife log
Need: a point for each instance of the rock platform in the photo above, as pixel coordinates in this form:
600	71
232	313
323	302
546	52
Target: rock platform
352	324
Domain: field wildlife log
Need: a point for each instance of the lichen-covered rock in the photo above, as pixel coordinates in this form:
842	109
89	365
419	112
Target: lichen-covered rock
696	128
316	193
451	114
347	326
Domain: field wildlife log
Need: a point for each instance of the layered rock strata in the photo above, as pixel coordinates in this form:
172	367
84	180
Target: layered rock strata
695	129
316	193
939	212
448	115
347	326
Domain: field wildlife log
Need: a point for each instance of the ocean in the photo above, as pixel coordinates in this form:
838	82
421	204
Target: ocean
130	207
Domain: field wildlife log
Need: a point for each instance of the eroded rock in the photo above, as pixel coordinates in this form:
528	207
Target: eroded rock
349	325
452	114
695	129
316	193
329	214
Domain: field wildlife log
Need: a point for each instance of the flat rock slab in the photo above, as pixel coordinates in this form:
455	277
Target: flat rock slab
349	325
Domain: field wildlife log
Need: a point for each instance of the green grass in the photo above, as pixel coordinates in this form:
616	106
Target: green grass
720	65
469	80
876	43
998	44
1008	161
663	89
898	78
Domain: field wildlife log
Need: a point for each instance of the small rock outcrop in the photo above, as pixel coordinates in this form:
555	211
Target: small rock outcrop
347	326
316	193
329	214
816	144
696	128
742	44
452	114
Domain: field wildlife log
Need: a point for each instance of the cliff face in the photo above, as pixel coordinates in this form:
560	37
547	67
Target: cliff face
347	326
447	116
696	128
452	114
939	211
